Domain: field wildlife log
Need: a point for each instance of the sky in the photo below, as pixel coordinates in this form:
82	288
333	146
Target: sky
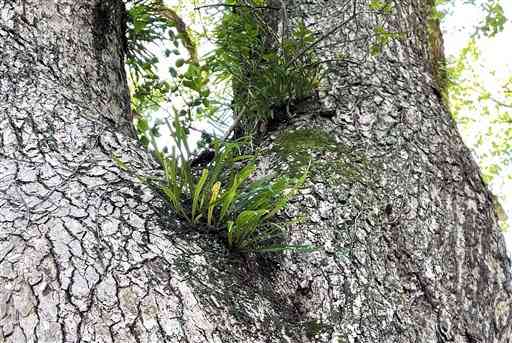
496	54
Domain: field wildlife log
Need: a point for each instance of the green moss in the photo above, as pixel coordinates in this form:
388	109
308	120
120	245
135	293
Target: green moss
330	160
302	139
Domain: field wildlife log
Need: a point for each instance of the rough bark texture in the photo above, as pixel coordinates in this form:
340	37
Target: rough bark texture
410	250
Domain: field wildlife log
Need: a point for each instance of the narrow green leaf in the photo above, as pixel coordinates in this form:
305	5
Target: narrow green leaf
282	248
119	163
197	193
213	199
230	226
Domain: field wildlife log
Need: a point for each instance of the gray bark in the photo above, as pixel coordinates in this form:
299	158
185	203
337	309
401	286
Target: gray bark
410	250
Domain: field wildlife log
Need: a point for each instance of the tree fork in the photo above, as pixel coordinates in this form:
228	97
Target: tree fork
410	250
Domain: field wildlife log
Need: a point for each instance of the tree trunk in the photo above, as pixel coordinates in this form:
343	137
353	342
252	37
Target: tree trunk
410	250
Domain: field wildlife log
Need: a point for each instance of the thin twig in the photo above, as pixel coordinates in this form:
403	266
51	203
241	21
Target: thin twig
500	103
235	124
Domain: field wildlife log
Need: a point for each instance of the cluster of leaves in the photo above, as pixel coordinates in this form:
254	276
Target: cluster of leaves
494	15
494	20
222	197
265	71
151	24
381	6
491	130
144	27
382	39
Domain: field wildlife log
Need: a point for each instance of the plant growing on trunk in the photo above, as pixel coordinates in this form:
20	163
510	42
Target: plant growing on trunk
221	195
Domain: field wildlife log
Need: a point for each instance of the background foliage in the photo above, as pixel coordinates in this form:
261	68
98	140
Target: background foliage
479	89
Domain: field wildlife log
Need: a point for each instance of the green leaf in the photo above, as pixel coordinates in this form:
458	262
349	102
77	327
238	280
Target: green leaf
213	200
173	72
249	218
245	226
246	172
230	231
119	163
197	193
180	62
229	197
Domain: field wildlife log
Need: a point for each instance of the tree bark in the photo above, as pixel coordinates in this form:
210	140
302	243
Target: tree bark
410	249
